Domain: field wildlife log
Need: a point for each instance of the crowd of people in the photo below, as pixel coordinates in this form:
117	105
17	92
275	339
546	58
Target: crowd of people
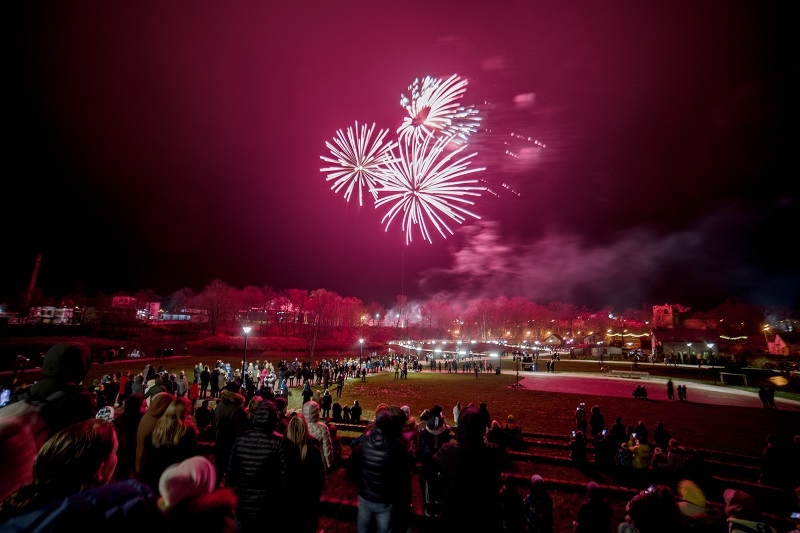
137	458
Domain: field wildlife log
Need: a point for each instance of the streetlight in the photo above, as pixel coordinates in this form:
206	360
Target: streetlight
361	356
246	330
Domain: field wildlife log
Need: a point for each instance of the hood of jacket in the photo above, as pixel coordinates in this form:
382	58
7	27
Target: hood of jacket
66	362
436	426
311	412
266	417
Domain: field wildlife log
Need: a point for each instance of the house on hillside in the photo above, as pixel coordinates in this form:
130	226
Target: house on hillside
685	343
553	342
784	343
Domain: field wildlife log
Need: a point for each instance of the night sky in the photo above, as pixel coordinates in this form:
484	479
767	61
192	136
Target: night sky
162	145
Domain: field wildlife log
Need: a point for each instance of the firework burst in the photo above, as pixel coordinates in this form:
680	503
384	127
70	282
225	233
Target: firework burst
359	160
433	109
425	186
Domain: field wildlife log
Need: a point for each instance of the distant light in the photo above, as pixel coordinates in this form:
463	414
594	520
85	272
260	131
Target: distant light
246	329
493	354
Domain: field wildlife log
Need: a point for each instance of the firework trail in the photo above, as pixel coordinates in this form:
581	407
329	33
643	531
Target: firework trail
425	186
359	160
433	108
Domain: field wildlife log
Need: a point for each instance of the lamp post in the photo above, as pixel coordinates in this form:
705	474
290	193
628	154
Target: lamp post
361	354
246	330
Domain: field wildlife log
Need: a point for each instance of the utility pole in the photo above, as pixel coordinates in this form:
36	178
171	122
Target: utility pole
31	286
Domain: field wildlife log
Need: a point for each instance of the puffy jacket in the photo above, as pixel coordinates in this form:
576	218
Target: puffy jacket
385	465
319	431
262	469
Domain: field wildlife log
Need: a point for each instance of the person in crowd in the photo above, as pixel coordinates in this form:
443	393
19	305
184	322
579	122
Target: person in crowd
156	388
336	443
147	425
385	476
641	457
696	516
138	384
538	505
71	485
319	431
174	439
433	437
486	417
263	472
580	419
619	433
456	413
307	392
661	436
410	432
37	412
312	473
205	382
641	430
577	450
355	412
252	405
327	403
670	390
204	419
213	382
777	462
594	514
182	385
597	422
190	502
423	418
651	511
677	457
282	404
470	471
640	392
230	422
127	425
496	436
513	434
743	514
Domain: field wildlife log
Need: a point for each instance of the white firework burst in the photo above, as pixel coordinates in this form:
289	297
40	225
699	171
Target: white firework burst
426	186
358	160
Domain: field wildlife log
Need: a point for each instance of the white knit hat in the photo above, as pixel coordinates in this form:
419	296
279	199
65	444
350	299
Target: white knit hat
188	479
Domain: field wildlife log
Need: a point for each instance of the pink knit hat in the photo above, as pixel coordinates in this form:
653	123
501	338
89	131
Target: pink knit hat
188	479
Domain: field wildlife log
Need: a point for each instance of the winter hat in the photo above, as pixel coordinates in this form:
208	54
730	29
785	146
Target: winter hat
281	402
188	479
739	504
407	410
470	427
510	418
594	490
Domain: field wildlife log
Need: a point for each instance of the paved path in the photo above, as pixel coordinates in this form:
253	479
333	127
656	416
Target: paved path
602	385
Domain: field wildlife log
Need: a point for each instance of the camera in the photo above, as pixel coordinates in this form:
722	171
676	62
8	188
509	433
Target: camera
650	489
603	432
796	516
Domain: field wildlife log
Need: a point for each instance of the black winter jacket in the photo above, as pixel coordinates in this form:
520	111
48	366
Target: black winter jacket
262	469
385	469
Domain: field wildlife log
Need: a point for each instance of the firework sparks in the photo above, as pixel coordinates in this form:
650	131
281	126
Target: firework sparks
433	108
425	186
358	160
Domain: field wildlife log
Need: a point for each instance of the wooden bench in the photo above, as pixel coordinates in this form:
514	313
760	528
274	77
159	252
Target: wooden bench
628	374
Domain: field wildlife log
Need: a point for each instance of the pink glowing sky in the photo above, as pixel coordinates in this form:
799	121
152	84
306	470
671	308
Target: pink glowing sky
161	145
